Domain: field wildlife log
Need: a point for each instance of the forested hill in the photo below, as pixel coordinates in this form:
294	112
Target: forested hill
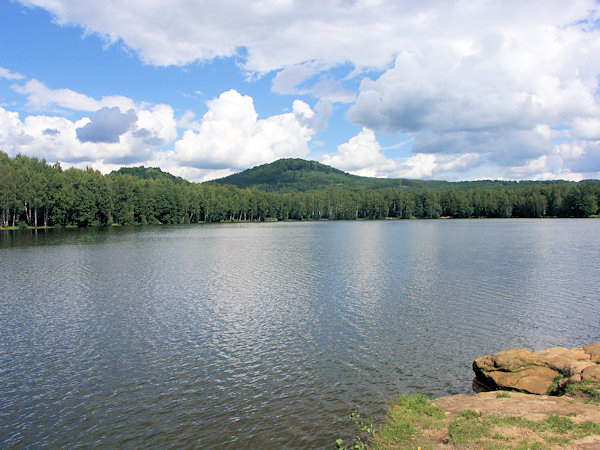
34	193
148	173
299	175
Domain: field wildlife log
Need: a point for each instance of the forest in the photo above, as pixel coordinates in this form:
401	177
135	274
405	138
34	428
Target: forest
35	193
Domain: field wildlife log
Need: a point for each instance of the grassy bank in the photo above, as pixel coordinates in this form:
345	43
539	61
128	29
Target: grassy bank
414	422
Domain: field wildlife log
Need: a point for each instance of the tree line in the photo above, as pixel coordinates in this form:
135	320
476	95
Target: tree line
35	193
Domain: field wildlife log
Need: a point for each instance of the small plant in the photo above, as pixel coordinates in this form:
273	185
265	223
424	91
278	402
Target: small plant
556	385
470	414
22	225
590	391
365	427
503	394
468	431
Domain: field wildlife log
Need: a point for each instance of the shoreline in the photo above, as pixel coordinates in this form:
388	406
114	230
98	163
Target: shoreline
537	412
274	220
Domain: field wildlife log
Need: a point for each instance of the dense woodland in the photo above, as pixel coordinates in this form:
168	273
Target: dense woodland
35	193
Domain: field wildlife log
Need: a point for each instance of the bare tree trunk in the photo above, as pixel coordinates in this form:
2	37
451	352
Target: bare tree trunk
35	216
45	216
27	213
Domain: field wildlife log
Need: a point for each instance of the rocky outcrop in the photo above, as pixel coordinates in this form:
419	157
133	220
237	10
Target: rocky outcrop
541	372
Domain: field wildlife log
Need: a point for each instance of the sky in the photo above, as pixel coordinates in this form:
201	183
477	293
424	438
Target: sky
453	90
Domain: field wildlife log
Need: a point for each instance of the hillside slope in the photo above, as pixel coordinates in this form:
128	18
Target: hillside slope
298	175
148	173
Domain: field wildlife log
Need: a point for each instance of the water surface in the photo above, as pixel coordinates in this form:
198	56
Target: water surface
266	335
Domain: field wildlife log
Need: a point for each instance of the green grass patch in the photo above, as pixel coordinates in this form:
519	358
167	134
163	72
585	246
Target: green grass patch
556	384
468	431
413	422
528	444
407	419
557	440
470	414
586	389
559	424
512	421
502	394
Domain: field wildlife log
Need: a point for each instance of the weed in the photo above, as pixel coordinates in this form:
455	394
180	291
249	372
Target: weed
470	414
467	431
365	427
528	444
502	394
559	424
558	440
556	384
406	421
512	421
586	389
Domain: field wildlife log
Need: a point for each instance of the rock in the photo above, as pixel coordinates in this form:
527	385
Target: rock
594	351
591	373
536	372
532	379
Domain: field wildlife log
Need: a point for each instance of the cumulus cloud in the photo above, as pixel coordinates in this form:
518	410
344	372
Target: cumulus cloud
10	75
497	89
109	137
492	79
107	125
42	98
586	128
230	135
332	32
362	155
315	79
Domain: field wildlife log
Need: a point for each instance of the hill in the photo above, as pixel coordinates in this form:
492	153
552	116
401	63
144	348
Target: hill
148	173
299	175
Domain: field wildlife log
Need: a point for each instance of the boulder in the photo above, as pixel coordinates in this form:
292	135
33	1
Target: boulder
594	351
540	372
591	373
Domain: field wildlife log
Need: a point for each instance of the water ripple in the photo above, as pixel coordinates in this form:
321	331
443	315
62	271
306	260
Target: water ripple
266	335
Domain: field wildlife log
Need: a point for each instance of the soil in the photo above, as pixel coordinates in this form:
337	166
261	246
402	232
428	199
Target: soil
526	406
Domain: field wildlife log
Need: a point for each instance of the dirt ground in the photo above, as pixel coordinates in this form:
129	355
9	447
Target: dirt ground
525	406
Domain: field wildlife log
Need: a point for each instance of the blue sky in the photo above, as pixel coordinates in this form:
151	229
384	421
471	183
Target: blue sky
450	90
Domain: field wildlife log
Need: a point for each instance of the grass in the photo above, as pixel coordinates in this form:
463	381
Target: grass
406	420
586	389
414	422
556	385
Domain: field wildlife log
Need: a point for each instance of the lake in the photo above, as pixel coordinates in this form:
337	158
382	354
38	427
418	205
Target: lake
266	335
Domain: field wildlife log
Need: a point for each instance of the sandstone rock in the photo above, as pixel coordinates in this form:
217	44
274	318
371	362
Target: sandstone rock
532	379
594	351
538	372
591	373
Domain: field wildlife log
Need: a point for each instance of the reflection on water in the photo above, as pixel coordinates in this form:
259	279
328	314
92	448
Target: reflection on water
266	335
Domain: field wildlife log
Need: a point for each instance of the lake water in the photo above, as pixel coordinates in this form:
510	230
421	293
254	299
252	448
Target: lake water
266	335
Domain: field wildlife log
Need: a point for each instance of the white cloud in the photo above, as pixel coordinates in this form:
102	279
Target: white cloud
274	34
496	89
42	98
587	128
55	138
362	155
10	75
230	135
494	79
